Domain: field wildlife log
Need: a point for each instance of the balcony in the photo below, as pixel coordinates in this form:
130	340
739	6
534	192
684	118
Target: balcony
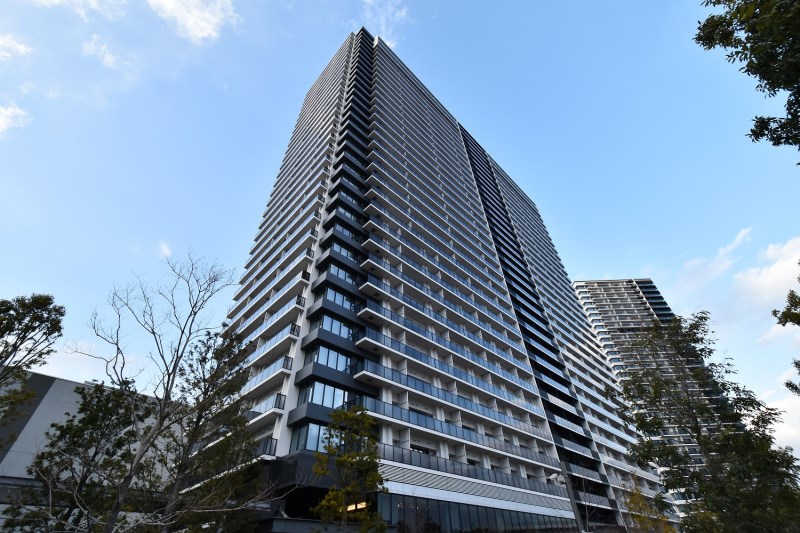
268	378
418	420
265	411
278	343
406	456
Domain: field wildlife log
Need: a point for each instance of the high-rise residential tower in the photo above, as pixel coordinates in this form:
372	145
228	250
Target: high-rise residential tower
398	267
619	311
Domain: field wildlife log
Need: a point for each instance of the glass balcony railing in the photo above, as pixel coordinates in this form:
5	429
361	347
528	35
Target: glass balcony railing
430	245
582	471
290	330
450	346
275	400
450	370
405	277
269	286
294	302
452	430
444	320
272	299
440	318
436	277
447	396
283	363
266	446
431	462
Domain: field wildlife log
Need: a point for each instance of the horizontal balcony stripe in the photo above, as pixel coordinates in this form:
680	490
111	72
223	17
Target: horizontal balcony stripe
411	382
445	428
452	371
395	454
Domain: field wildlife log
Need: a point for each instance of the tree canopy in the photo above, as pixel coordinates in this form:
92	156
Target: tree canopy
711	436
351	460
29	327
790	314
761	35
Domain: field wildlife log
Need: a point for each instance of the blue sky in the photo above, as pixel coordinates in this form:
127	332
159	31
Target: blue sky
134	129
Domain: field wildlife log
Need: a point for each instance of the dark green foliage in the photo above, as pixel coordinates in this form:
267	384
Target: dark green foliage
791	315
84	460
746	483
204	448
208	445
29	326
351	459
762	36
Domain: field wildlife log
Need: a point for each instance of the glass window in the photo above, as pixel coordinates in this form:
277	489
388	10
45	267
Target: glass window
328	392
314	434
316	396
347	252
341	273
322	394
328	357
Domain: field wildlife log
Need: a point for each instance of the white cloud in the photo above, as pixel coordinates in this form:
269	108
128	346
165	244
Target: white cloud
787	433
384	17
769	284
789	373
164	249
110	9
10	47
776	332
97	48
12	116
700	271
27	88
196	20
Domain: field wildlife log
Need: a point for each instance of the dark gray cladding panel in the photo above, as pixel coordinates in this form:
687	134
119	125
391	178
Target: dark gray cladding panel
12	425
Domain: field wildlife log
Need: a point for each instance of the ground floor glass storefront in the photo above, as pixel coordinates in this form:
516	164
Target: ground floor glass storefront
412	514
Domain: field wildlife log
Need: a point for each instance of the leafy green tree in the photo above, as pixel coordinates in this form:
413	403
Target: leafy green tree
790	314
351	460
29	327
647	514
745	483
761	35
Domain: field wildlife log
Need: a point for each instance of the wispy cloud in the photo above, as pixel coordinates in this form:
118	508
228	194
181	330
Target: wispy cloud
12	116
26	88
10	48
197	20
163	249
385	17
769	283
700	271
110	9
787	433
99	49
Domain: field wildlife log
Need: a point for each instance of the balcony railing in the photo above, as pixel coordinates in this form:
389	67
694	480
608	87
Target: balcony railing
445	343
266	446
431	462
296	301
447	396
423	357
291	329
275	400
284	363
446	428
